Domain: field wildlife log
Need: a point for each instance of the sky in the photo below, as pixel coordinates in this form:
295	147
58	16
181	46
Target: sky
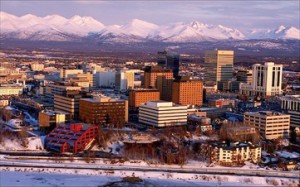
241	14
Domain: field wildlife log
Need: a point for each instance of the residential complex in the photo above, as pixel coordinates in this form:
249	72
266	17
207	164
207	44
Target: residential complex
235	153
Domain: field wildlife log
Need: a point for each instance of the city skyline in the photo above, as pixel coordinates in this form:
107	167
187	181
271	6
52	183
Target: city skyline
238	14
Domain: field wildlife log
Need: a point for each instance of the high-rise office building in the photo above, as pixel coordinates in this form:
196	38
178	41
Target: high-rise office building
266	81
161	79
169	60
187	92
218	66
244	76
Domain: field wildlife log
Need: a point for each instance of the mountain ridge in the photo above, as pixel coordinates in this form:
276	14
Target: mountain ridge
59	28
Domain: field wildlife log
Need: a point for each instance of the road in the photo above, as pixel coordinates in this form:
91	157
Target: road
11	161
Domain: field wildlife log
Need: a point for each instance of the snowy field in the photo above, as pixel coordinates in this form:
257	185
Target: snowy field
75	177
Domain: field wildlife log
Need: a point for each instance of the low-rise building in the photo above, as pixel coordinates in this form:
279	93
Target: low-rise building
235	153
162	114
270	125
10	89
72	138
49	119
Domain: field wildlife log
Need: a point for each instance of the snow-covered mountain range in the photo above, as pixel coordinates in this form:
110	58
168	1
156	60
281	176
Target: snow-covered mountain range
58	28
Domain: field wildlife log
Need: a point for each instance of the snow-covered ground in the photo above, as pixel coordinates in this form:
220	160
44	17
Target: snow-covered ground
13	144
73	177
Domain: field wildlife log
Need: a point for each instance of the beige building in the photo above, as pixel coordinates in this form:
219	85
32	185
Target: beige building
49	119
58	88
11	90
69	103
69	73
37	67
162	114
218	66
270	125
235	153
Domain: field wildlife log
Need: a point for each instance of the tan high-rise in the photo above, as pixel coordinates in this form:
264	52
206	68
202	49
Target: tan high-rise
139	96
161	79
218	66
187	92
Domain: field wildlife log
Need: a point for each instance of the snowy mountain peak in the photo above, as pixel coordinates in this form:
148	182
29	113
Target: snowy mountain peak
197	25
280	29
58	28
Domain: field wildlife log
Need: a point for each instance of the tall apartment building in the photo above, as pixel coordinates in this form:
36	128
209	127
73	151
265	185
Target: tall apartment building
218	66
102	110
270	125
37	67
162	114
142	95
169	60
68	102
187	92
291	104
266	81
58	88
161	79
69	73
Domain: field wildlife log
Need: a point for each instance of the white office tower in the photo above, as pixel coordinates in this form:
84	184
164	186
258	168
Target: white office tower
106	78
266	81
291	104
162	114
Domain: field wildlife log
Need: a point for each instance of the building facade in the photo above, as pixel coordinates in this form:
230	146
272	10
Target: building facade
103	110
140	96
270	125
162	114
266	81
235	153
218	65
69	103
49	119
11	90
161	79
69	73
291	104
187	92
59	88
